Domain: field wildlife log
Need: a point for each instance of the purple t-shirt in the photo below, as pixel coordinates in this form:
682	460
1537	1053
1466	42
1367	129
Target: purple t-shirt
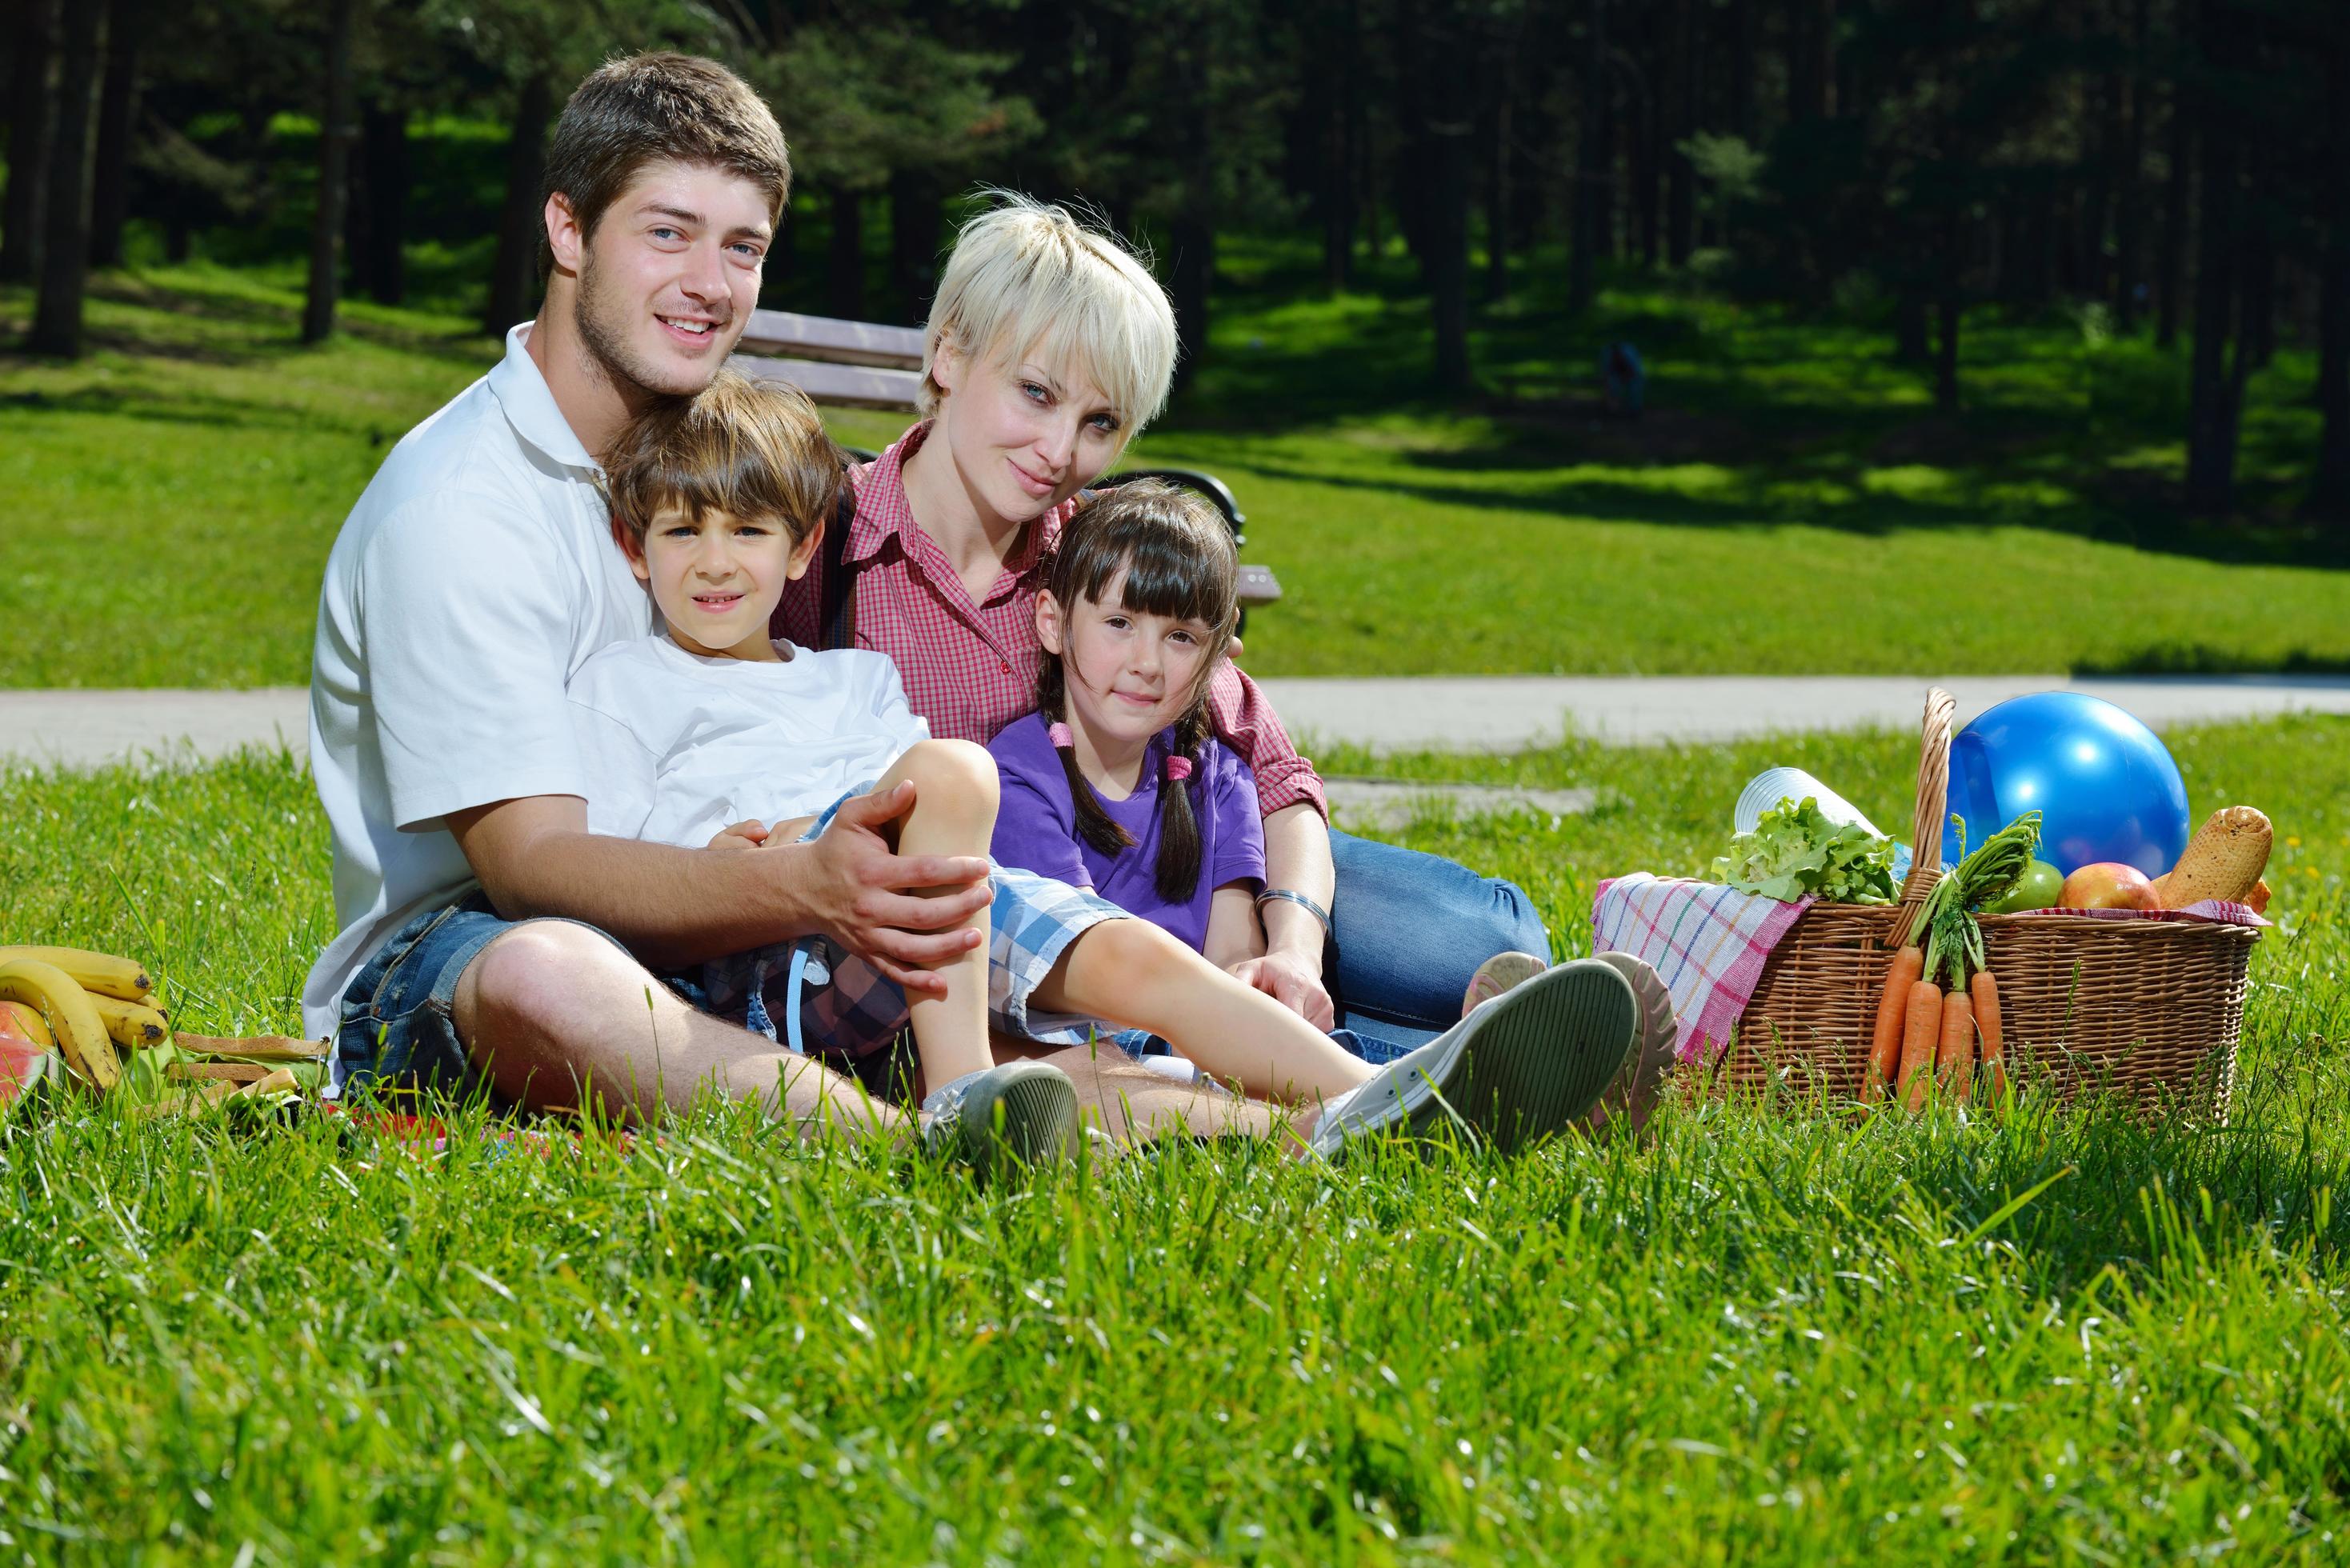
1036	827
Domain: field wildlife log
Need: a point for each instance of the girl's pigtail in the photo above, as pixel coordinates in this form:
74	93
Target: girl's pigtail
1094	824
1178	821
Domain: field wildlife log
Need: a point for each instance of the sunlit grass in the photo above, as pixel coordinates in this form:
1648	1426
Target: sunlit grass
1790	504
1768	1337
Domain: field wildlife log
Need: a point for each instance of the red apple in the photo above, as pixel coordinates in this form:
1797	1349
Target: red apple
2108	885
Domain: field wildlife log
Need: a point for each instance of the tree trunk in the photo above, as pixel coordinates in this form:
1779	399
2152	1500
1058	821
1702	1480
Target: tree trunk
1949	306
118	107
1448	255
2329	494
2256	307
1912	344
1497	200
1647	164
516	273
2104	111
2211	401
1688	68
1811	58
916	224
334	177
843	264
383	136
1743	63
65	251
2171	283
2129	221
32	127
1590	169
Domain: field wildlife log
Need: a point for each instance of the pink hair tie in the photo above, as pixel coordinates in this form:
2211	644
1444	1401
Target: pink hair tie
1178	769
1059	735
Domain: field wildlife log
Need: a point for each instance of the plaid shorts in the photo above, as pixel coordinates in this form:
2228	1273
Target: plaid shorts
817	998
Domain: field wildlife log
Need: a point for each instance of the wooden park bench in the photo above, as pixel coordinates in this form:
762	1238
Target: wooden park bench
863	364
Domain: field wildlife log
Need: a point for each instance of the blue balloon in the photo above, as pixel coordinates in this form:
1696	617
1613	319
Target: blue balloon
2106	789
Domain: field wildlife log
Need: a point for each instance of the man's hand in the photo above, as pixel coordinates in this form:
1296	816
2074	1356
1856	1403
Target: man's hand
1291	981
747	835
858	889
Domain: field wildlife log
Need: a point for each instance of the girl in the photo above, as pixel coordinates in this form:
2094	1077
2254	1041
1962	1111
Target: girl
1049	346
1117	784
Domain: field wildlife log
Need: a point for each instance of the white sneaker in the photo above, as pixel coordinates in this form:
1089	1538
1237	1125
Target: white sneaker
1521	1068
1016	1112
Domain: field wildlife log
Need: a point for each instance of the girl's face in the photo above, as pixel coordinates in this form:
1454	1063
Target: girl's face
718	579
1129	674
1026	435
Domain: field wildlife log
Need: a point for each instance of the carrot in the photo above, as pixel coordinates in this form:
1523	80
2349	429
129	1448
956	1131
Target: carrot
1922	1022
1994	1057
1955	1063
1885	1046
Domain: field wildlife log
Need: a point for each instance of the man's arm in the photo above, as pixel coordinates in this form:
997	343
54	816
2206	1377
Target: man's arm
535	857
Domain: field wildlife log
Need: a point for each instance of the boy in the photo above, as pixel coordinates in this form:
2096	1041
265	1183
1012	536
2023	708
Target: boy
721	500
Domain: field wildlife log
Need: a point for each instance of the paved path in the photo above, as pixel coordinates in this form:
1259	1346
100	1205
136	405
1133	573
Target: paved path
1431	713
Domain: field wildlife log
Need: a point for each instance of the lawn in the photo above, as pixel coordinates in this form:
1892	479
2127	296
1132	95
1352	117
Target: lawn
1767	1337
1791	505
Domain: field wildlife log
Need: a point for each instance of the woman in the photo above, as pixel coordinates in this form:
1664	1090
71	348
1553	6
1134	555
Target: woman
1049	346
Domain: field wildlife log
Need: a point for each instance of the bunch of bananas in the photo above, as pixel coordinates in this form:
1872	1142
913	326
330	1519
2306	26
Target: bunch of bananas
91	1007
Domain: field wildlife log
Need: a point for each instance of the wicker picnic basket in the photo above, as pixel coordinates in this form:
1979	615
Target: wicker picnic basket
2146	1011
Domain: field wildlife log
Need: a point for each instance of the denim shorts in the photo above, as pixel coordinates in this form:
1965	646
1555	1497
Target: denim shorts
818	999
399	1026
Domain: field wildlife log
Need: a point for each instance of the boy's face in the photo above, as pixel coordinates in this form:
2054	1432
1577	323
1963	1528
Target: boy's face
669	278
1026	435
719	578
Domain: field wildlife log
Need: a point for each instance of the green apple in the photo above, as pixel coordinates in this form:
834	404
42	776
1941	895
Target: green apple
2037	888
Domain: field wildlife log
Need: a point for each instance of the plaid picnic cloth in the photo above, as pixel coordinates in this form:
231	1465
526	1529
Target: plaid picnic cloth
1706	941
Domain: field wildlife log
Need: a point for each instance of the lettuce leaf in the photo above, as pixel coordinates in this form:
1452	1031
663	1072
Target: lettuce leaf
1795	852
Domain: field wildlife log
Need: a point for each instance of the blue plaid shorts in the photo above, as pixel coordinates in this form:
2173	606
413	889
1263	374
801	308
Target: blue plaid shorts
819	999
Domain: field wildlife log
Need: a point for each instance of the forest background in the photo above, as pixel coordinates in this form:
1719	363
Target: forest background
2171	169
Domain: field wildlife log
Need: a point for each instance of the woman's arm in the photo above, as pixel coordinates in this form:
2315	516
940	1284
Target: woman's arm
1234	937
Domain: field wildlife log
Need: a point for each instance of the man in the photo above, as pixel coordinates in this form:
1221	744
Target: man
486	936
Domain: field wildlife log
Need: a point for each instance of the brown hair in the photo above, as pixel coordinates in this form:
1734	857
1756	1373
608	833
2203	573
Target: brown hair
1178	561
746	447
663	105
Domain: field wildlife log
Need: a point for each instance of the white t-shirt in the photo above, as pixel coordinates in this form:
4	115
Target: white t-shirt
477	572
678	746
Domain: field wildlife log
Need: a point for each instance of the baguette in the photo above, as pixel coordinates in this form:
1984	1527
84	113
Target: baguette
2224	860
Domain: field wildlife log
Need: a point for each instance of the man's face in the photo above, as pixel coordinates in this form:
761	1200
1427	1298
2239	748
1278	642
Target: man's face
669	278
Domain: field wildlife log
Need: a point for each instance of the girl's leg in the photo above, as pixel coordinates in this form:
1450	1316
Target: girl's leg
1134	974
954	813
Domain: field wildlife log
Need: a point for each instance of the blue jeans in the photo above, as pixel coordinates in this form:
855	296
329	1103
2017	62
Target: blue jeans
1410	928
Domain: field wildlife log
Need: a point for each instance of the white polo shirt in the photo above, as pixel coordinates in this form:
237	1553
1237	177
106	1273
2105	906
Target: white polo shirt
475	575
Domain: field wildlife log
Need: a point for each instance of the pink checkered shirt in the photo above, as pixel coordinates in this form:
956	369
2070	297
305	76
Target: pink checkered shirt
971	668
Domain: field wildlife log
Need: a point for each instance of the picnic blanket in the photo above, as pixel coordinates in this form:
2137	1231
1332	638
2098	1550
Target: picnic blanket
1708	942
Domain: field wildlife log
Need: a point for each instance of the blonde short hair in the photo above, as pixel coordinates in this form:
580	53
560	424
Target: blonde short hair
749	449
1028	278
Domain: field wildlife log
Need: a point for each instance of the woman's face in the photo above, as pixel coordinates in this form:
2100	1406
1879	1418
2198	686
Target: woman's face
1025	435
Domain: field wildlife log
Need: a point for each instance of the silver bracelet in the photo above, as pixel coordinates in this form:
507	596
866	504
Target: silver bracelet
1292	895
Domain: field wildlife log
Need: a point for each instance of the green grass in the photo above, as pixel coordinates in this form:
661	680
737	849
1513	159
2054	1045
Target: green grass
1791	506
1768	1337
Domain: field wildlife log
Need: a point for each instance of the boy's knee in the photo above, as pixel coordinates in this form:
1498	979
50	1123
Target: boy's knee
952	773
